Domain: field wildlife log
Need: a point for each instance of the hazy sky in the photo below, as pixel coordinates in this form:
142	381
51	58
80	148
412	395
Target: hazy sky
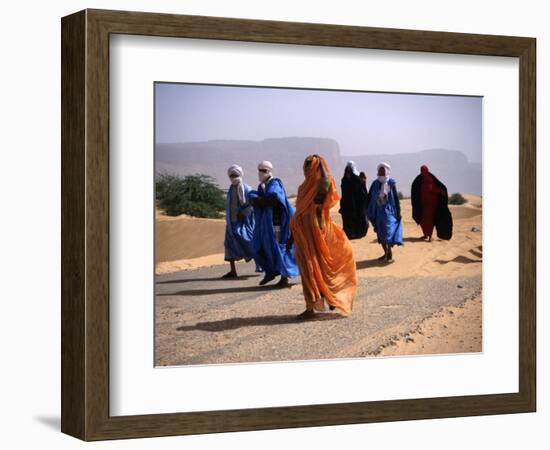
361	122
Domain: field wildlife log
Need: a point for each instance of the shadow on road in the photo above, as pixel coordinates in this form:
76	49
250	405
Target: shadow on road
239	322
230	290
187	280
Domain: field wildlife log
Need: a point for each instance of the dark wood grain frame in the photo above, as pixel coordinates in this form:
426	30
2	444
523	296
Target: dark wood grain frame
85	224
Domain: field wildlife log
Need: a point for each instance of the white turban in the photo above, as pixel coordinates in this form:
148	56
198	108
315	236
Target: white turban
385	166
384	179
351	165
235	170
265	165
237	181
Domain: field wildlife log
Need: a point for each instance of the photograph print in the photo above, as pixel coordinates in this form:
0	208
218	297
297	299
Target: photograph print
300	224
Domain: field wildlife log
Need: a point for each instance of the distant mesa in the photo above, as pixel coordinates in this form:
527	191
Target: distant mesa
288	154
214	157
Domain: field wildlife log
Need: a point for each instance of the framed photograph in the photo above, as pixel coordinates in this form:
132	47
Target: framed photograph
273	225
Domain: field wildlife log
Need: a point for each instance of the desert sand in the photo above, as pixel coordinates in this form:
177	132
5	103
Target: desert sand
428	301
185	242
453	329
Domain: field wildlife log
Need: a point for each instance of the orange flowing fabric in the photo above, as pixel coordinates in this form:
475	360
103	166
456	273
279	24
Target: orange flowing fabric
323	252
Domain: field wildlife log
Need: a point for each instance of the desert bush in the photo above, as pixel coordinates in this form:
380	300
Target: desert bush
457	199
400	195
165	183
197	195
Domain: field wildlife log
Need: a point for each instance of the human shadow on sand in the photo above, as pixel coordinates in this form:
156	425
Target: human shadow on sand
229	290
187	280
257	321
416	239
370	263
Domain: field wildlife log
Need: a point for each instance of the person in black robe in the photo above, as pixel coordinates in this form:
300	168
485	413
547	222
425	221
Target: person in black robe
353	203
363	178
430	205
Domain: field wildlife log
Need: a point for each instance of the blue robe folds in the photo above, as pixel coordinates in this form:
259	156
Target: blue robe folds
271	254
238	235
385	216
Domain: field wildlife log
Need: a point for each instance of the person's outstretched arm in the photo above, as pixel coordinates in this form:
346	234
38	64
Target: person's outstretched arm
262	202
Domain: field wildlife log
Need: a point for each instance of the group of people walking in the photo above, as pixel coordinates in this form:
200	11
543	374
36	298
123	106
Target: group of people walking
286	241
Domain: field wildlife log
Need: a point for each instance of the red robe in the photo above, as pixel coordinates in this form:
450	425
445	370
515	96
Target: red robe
429	196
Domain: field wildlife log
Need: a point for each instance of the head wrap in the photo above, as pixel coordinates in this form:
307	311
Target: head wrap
310	188
351	165
427	179
237	181
385	189
235	170
310	165
264	176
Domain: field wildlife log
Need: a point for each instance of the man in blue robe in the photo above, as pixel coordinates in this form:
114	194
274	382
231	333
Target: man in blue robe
384	211
273	249
239	218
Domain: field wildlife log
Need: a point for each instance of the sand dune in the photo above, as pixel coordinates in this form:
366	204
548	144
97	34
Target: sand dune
185	242
185	238
464	211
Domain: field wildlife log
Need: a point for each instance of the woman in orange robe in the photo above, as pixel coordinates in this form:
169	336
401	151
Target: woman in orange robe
323	252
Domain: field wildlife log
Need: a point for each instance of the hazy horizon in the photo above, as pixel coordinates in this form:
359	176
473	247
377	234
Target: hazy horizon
362	123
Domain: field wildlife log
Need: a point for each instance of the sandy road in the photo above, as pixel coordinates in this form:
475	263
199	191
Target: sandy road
201	319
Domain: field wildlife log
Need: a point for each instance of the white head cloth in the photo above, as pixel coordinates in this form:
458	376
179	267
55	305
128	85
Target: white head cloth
384	179
265	165
238	181
351	164
264	176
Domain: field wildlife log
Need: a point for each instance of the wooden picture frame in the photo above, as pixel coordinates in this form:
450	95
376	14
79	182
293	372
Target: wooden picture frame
85	224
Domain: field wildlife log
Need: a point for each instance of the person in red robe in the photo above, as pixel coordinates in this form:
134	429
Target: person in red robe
429	193
430	205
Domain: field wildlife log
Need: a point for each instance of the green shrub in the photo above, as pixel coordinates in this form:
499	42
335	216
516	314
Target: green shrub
400	195
197	195
457	199
166	183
